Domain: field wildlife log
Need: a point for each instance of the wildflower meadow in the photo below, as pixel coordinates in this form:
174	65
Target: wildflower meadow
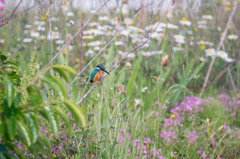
120	79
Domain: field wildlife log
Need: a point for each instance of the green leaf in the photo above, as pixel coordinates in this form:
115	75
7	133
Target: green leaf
32	126
34	151
65	119
3	58
34	95
77	112
56	84
132	79
10	61
64	71
25	132
8	155
9	90
11	67
40	146
47	113
15	149
46	142
11	127
2	127
17	99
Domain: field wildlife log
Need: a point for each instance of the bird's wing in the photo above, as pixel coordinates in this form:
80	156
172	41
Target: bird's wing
94	72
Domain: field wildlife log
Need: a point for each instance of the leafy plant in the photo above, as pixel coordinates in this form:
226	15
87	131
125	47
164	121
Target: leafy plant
19	123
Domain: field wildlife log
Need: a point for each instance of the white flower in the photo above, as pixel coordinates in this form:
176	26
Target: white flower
36	23
28	26
2	41
146	53
175	49
59	42
27	40
229	59
202	59
222	54
137	101
202	26
70	14
157	52
144	89
34	34
172	26
185	22
89	53
117	43
179	36
42	23
203	22
208	17
128	21
125	32
190	32
93	24
103	18
96	48
210	52
232	37
72	22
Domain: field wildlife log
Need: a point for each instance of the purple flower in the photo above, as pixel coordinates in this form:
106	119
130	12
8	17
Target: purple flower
204	155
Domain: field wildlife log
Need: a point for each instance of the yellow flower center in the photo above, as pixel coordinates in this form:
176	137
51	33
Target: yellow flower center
184	19
173	116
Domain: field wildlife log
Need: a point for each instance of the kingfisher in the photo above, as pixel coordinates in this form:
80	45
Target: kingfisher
97	73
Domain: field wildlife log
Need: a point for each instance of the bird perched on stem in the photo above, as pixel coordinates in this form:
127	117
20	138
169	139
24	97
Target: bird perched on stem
97	73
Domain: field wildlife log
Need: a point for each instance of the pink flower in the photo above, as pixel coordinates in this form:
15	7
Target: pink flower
1	15
1	7
3	1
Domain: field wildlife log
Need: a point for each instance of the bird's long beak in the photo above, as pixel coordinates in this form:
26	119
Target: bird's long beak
105	71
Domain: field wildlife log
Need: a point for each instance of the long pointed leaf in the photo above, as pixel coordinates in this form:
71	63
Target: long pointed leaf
11	127
40	146
9	90
64	71
77	112
25	132
33	127
34	95
56	84
65	119
46	141
15	149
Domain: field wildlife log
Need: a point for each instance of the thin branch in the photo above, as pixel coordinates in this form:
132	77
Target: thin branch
113	67
61	50
10	17
102	50
218	48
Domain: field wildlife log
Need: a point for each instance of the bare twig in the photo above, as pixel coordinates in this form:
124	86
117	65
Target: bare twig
113	67
219	46
101	51
231	79
10	17
81	57
60	51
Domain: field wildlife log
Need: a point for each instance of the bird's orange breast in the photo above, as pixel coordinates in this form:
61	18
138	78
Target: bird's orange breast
98	76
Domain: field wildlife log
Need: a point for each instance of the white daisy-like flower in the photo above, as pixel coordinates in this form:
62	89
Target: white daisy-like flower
131	55
70	14
210	52
96	48
180	41
222	54
93	24
190	32
156	52
59	42
71	22
103	18
203	22
172	26
185	22
179	36
128	21
36	23
144	89
208	17
89	53
42	23
28	26
119	43
34	34
146	53
175	49
229	59
125	32
27	40
200	26
202	59
202	42
232	37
